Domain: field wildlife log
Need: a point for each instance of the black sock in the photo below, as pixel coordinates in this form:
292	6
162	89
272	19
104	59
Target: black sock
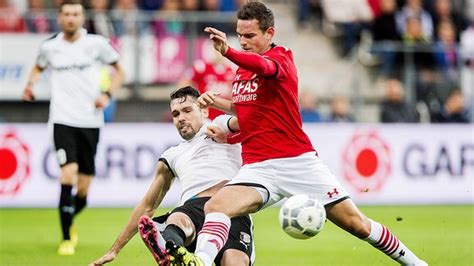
79	204
174	233
66	210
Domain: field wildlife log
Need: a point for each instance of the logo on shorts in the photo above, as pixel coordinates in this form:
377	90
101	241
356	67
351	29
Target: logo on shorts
367	162
245	239
14	163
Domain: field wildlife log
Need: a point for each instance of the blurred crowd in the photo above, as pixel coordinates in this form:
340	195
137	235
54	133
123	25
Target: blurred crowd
428	43
431	40
111	18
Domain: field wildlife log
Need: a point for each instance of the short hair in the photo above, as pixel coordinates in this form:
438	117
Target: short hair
184	92
258	11
70	2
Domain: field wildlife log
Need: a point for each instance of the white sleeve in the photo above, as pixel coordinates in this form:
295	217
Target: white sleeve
168	157
42	59
107	53
223	122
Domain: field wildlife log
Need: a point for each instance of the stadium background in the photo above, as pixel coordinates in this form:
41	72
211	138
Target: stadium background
414	177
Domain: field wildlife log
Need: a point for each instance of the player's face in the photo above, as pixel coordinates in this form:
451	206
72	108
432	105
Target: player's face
71	18
187	116
253	39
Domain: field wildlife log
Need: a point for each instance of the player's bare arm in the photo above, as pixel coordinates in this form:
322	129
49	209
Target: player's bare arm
147	206
219	39
212	99
28	94
103	100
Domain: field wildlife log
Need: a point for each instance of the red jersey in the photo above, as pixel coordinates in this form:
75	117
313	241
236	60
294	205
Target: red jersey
209	77
268	108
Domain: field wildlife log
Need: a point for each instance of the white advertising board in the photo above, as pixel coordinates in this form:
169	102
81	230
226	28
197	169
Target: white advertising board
377	164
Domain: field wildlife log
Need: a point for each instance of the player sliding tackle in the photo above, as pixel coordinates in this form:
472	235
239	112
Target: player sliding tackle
203	166
278	158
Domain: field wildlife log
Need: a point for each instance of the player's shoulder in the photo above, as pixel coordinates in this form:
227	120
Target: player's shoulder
96	37
280	49
50	41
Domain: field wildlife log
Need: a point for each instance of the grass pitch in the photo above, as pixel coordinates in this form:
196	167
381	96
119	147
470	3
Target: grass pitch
442	235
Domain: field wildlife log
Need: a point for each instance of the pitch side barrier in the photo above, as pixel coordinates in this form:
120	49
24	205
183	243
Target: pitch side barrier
378	164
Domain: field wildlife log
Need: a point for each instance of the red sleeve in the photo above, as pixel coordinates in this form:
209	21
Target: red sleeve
234	138
252	62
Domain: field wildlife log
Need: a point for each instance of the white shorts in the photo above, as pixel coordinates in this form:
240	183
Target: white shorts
284	177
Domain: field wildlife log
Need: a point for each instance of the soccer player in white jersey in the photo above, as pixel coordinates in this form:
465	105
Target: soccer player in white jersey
76	109
278	157
202	166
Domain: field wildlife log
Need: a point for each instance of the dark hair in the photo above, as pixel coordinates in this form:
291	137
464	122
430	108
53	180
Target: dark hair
184	92
70	2
258	11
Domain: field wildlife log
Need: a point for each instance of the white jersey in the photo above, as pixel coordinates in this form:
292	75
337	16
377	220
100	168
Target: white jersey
201	163
75	77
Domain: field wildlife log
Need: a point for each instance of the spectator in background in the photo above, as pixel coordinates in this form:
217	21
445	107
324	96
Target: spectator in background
394	108
210	74
10	18
384	30
443	12
169	26
414	9
99	21
37	20
467	70
126	19
351	16
214	6
453	110
340	110
149	5
446	54
309	107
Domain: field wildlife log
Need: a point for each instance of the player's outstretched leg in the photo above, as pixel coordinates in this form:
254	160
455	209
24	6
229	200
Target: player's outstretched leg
182	255
347	216
151	237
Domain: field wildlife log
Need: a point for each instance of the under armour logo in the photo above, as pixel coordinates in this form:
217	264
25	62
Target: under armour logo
215	242
401	253
334	192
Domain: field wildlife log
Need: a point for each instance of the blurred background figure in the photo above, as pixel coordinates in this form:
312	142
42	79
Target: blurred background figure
126	18
211	73
446	53
384	30
340	109
443	12
10	18
309	107
454	110
394	109
99	20
414	9
38	20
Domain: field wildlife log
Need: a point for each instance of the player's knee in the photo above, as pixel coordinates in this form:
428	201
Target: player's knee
213	205
234	257
68	173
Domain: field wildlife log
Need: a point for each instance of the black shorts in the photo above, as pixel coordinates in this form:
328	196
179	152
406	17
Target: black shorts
241	230
76	145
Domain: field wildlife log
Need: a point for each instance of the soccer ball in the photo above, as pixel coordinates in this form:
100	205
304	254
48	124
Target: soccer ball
302	217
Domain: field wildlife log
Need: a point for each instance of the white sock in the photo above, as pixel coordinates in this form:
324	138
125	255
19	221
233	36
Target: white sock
381	238
212	237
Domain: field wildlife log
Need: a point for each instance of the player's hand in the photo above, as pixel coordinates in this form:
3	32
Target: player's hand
108	257
219	39
207	99
102	101
216	133
28	94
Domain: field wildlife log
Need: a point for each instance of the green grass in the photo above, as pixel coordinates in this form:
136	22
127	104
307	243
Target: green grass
442	235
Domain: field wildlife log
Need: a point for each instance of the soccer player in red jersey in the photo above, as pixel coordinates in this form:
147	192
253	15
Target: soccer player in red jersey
212	74
278	158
